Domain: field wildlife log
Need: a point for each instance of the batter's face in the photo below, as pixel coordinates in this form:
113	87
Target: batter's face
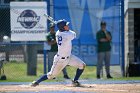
66	28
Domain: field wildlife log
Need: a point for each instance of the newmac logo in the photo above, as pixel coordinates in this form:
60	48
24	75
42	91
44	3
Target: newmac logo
28	19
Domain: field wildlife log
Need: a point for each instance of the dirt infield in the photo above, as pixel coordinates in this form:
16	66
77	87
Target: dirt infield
94	88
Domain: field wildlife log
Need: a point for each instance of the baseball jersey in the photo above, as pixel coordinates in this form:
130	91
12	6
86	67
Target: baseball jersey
64	42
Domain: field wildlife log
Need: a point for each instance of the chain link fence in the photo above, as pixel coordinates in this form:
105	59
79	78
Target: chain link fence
19	60
15	56
24	61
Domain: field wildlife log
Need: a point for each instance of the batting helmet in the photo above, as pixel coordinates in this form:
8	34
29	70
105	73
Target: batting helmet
61	24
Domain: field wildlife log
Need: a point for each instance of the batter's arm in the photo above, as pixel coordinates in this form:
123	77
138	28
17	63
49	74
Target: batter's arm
73	34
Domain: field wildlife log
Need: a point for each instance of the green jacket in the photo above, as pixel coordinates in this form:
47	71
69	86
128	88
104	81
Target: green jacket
103	46
50	37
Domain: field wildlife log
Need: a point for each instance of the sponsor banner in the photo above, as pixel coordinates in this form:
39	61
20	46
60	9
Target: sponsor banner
88	53
28	22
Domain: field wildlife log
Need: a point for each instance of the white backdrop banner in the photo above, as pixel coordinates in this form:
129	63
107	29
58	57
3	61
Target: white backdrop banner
28	22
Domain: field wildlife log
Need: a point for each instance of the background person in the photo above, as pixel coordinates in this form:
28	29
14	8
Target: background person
104	49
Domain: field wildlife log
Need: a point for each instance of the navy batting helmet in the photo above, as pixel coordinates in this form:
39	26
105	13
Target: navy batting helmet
61	24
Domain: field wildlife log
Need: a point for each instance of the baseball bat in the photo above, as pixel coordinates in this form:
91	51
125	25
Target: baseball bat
50	18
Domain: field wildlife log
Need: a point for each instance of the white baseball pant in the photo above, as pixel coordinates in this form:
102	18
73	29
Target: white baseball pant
61	62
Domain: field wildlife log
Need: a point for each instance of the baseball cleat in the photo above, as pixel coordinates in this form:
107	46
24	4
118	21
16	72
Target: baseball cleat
66	77
34	84
98	77
109	77
76	83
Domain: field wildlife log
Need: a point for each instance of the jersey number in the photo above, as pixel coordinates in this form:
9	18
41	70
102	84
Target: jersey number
59	40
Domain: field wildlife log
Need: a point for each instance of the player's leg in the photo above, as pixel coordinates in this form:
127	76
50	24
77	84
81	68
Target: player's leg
50	75
50	59
65	73
80	65
55	70
50	63
107	64
100	59
57	67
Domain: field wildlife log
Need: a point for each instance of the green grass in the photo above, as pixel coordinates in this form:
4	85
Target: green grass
17	72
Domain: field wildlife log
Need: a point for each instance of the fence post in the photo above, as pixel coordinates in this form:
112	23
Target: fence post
32	60
122	38
45	58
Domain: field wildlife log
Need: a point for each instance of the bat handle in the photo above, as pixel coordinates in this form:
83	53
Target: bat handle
49	18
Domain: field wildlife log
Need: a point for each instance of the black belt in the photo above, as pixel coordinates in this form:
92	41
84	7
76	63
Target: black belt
63	57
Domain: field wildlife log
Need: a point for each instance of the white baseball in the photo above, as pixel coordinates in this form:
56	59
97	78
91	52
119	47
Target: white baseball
6	39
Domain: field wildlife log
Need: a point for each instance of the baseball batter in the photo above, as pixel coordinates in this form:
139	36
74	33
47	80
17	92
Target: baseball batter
64	38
